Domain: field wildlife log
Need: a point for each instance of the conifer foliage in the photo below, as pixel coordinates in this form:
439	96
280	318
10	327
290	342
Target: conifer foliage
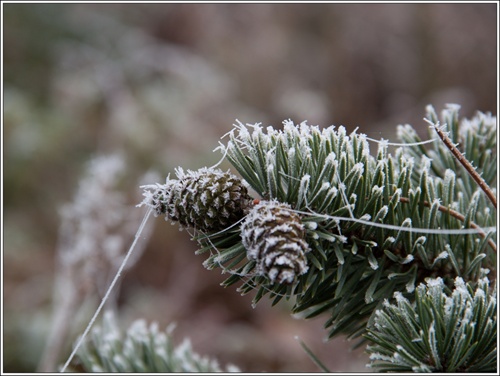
439	333
346	231
142	348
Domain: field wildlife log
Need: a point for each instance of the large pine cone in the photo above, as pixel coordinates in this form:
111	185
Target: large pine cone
207	199
273	236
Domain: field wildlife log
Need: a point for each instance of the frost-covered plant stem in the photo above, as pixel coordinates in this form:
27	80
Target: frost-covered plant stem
109	290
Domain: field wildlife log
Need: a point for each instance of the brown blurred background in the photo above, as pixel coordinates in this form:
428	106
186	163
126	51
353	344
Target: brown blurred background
160	84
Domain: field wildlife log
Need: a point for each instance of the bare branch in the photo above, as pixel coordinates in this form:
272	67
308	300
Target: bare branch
468	166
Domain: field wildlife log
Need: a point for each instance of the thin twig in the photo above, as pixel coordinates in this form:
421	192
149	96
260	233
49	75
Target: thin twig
458	216
468	166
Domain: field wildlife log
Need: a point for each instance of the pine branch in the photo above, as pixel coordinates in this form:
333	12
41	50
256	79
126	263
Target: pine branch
438	331
344	233
334	227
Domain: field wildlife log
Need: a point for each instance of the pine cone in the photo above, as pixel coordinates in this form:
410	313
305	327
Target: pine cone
207	199
273	235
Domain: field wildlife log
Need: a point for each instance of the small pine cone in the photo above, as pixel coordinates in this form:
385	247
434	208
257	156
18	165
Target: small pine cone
273	235
207	199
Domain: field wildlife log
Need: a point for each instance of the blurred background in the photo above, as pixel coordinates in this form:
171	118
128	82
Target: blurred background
101	98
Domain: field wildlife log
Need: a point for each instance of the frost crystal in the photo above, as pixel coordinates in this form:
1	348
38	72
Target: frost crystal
399	297
407	259
435	282
443	255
